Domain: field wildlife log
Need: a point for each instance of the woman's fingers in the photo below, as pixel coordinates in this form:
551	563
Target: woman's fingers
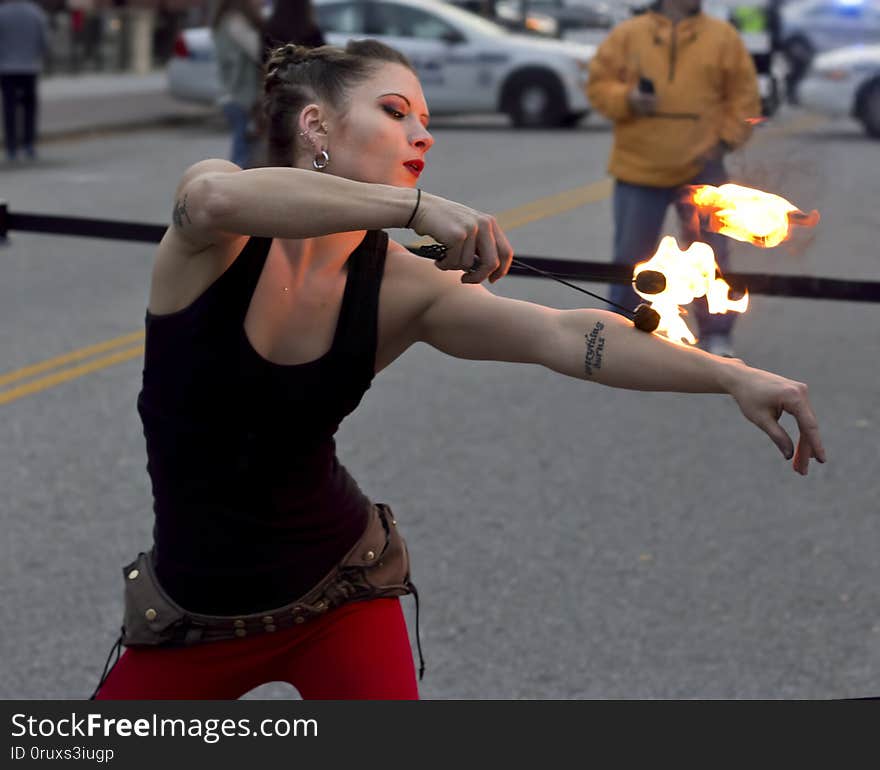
764	402
468	253
474	241
505	252
454	241
809	441
779	436
486	254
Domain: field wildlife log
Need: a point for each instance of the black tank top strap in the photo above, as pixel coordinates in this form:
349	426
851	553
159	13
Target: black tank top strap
247	269
358	333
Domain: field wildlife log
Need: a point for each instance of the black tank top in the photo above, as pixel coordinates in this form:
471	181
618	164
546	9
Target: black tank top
251	505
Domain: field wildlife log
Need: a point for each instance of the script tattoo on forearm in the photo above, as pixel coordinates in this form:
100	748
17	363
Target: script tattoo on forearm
180	212
595	348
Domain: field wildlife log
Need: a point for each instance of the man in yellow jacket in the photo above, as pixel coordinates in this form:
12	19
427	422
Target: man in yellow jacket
679	86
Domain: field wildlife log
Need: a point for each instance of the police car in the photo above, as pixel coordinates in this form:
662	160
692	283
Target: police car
812	26
846	82
466	63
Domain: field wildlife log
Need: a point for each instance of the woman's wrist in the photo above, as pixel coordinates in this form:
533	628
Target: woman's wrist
415	210
729	373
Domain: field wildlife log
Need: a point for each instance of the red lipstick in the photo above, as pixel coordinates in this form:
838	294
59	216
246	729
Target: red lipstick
415	166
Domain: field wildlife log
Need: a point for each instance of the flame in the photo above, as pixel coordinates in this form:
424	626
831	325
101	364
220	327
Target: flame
756	121
689	274
748	215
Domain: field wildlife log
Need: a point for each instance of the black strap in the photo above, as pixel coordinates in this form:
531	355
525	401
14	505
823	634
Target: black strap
358	335
117	647
249	264
415	593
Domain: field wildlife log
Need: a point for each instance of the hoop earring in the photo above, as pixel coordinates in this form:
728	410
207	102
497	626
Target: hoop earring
322	160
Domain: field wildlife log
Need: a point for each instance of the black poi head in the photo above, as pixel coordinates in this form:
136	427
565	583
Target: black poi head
646	318
651	282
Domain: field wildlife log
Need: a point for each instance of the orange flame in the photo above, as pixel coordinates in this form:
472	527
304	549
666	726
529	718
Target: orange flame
689	274
748	215
755	121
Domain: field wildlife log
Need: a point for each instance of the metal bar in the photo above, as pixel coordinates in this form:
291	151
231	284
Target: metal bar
804	287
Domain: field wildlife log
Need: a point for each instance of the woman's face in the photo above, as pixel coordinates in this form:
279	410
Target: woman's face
382	136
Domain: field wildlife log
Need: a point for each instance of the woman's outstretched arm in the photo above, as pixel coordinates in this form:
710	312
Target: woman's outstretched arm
600	346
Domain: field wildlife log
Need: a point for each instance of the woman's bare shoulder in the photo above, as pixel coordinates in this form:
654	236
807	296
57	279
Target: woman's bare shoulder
186	265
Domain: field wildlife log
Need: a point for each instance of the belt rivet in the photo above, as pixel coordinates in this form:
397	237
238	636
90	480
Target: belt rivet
299	619
151	614
133	574
369	555
321	605
267	619
240	632
239	624
270	627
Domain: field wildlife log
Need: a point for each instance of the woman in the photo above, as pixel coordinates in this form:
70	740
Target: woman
237	32
275	299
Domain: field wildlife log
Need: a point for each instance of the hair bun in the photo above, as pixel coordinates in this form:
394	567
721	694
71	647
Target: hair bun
288	55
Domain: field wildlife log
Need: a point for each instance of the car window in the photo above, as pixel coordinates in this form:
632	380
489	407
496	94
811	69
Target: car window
406	21
345	18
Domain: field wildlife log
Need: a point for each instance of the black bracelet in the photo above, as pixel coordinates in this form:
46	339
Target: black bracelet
418	201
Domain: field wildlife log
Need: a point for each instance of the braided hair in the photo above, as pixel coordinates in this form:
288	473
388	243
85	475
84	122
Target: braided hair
297	75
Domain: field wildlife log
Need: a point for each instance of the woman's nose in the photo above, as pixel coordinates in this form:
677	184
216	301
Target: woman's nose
422	139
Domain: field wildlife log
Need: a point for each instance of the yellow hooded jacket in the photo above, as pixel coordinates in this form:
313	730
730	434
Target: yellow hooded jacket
706	87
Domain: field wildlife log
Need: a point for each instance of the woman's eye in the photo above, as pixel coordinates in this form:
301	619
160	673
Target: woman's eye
396	114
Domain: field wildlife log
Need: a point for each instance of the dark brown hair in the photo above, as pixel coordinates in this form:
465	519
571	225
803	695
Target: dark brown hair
296	76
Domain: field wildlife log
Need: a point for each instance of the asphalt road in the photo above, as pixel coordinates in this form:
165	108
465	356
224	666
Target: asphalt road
569	540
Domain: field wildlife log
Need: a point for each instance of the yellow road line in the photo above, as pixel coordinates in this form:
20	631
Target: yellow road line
75	355
553	205
43	383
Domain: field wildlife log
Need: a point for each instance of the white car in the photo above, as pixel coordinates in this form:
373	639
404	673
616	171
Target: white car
466	64
813	26
846	82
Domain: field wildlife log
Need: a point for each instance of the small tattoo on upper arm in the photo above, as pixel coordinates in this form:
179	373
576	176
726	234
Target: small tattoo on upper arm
595	348
180	212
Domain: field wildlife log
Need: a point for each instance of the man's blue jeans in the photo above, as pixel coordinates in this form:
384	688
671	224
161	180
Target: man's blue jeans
238	119
639	212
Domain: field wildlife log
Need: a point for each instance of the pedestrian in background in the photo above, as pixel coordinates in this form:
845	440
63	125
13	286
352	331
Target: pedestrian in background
293	21
679	86
290	22
24	40
237	31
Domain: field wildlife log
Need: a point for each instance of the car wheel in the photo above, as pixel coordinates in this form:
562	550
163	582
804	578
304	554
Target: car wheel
869	109
536	100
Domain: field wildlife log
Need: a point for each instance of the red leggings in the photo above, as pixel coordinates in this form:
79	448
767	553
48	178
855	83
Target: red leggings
358	651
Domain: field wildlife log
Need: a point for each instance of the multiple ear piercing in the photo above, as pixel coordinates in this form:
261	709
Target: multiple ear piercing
321	159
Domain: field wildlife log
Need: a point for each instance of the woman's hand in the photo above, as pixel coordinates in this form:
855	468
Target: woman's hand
763	397
474	241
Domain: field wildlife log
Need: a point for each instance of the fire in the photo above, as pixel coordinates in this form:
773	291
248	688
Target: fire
748	215
743	213
689	274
